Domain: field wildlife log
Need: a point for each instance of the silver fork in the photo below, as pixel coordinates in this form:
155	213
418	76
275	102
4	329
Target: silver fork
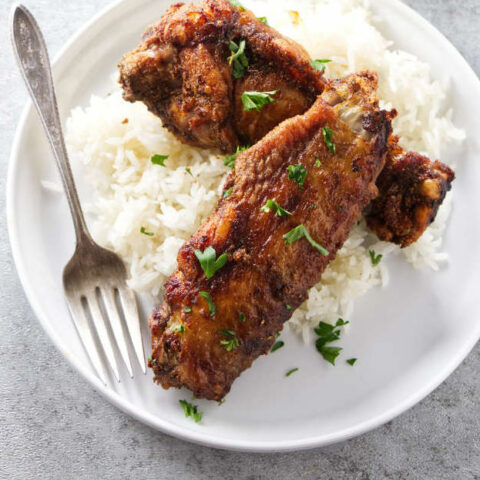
94	279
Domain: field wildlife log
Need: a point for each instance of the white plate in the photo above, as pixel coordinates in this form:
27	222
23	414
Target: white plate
408	337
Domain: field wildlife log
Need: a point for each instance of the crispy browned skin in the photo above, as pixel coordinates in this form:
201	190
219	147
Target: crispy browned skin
412	189
181	72
263	274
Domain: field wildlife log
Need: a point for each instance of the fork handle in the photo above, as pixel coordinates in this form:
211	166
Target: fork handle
32	58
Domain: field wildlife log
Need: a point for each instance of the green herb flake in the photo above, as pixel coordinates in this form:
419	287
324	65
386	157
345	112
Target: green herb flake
313	206
328	333
299	232
191	411
231	343
328	138
228	192
351	361
144	231
263	20
330	353
229	160
374	258
211	307
178	329
238	58
288	307
297	173
236	4
187	309
318	163
242	317
277	345
319	64
273	206
189	171
257	100
293	370
210	265
325	329
159	159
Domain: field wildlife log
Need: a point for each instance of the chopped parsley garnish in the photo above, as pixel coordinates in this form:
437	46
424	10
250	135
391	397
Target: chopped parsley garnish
288	307
273	206
313	206
330	353
293	370
242	317
178	329
263	20
148	234
236	4
375	258
208	263
228	192
189	171
187	309
318	163
299	232
256	100
229	160
328	137
297	173
277	345
159	159
326	334
319	64
191	410
231	343
211	307
351	361
238	58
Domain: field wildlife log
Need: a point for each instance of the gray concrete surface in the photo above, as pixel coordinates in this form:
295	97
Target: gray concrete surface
54	426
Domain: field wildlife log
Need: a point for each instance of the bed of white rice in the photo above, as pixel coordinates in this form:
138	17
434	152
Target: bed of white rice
115	141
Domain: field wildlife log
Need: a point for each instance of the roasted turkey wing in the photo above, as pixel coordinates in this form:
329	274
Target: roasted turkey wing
205	343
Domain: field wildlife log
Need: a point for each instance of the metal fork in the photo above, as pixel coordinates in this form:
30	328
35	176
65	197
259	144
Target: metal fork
94	279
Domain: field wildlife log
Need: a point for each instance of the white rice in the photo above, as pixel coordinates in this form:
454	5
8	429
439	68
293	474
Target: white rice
129	193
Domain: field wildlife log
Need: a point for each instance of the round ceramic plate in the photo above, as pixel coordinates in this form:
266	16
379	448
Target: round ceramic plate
408	336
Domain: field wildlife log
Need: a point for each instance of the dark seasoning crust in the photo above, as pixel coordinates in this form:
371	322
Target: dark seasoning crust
263	274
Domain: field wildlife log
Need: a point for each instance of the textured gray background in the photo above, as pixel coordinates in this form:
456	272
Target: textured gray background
54	426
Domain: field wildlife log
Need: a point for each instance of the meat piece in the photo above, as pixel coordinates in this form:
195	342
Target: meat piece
205	346
413	188
182	72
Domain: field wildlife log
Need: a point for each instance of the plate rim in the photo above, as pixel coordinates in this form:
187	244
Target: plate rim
146	417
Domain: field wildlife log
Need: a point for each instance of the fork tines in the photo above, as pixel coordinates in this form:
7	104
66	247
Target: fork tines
97	310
